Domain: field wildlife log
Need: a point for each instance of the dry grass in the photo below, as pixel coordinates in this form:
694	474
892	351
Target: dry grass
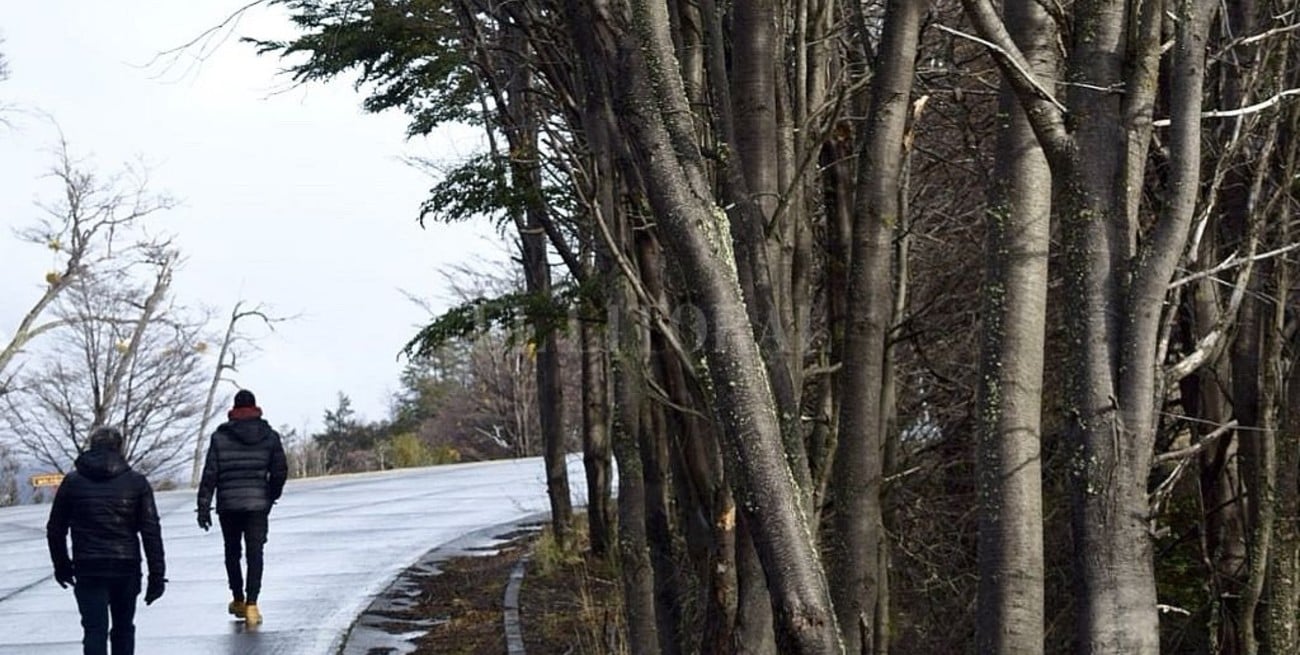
569	602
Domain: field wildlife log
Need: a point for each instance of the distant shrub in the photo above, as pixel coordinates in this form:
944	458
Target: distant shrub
409	450
445	455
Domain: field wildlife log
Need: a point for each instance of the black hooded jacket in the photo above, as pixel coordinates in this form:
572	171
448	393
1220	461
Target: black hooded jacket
245	466
105	504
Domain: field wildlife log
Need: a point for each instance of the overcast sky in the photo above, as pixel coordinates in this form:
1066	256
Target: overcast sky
294	199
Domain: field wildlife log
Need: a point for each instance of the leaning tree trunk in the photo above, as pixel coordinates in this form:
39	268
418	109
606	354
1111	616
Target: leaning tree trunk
654	116
1010	597
746	121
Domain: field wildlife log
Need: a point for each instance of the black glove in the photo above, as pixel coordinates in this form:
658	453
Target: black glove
157	584
65	575
205	518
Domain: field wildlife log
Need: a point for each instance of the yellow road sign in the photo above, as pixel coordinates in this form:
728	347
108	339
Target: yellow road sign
47	479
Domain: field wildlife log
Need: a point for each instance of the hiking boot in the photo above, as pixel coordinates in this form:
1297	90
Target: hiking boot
252	615
236	608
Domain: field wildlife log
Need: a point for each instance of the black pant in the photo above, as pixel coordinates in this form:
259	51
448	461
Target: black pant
98	598
251	528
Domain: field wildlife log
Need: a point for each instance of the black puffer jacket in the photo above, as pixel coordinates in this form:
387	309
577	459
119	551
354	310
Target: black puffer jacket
245	466
105	504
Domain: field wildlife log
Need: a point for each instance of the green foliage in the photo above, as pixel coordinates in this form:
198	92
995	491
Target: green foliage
409	451
426	384
478	186
407	51
509	312
345	436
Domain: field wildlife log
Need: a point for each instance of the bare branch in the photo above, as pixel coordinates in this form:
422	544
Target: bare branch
205	43
1240	111
1202	444
227	357
1007	57
1231	262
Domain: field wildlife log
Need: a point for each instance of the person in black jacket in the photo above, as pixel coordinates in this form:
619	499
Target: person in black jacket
246	468
109	508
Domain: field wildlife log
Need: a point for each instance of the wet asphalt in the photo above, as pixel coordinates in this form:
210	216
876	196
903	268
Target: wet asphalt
336	545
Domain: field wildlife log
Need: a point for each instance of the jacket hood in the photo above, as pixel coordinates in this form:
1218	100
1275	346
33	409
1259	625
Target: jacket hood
247	431
101	464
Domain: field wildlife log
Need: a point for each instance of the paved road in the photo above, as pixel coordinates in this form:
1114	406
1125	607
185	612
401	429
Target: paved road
335	544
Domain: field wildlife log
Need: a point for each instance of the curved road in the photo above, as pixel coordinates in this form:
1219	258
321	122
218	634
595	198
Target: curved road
335	543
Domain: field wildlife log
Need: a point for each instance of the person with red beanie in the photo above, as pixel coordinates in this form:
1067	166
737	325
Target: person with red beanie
246	468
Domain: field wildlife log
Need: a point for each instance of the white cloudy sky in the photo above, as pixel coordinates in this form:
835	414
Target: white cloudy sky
294	199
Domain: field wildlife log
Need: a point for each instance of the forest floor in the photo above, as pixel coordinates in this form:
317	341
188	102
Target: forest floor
568	602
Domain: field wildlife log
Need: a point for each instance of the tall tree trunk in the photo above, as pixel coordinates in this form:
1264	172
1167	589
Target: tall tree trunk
708	513
750	187
837	190
1114	381
596	453
537	277
1259	464
654	445
1282	631
654	116
1009	468
628	369
857	549
598	126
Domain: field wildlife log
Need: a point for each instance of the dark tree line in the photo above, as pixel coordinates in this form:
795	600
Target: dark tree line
917	325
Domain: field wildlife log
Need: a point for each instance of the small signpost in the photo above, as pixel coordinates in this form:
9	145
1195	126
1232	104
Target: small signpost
46	479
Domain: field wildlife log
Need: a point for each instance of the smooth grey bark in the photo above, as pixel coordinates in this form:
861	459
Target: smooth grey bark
857	550
655	119
707	511
1114	381
743	107
1010	617
755	632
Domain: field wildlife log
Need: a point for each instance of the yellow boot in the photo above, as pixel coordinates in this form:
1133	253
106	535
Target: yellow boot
236	608
252	615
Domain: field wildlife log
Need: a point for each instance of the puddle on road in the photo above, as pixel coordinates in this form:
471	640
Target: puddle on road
379	632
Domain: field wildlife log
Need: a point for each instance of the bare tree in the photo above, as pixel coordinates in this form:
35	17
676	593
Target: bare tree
1010	603
126	356
89	228
227	360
